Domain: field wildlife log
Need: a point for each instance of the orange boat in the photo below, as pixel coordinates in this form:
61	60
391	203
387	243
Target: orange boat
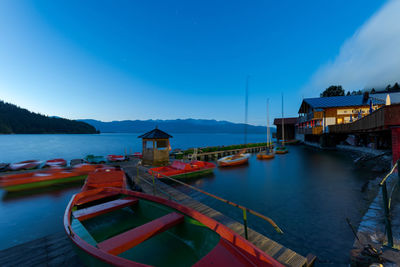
179	169
24	165
264	155
115	158
55	175
55	163
235	160
110	225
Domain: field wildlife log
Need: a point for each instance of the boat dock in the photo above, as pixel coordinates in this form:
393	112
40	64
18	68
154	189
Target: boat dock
214	155
282	254
57	250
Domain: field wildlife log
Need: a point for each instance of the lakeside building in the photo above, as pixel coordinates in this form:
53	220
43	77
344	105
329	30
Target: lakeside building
316	114
155	147
290	125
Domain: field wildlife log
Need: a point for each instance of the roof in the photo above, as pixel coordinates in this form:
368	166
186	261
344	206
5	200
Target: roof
155	134
340	101
285	120
394	97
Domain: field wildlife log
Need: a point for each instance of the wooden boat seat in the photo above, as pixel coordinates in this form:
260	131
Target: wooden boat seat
122	242
90	212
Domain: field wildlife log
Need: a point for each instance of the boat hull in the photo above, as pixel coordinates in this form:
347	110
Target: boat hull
285	151
230	161
266	156
213	242
181	170
46	183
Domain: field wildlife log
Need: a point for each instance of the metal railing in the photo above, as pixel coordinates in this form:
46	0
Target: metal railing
387	202
243	208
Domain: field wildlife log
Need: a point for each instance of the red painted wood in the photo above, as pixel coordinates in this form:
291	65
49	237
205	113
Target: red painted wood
122	242
95	197
85	214
395	144
225	254
226	233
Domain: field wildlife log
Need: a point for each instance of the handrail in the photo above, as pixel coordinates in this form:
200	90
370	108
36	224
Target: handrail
244	209
390	173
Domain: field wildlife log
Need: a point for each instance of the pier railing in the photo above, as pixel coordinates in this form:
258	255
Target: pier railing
244	209
387	201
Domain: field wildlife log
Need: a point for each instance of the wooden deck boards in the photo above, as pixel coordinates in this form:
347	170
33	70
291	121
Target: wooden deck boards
272	248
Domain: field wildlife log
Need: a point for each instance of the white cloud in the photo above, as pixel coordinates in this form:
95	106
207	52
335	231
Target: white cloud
370	58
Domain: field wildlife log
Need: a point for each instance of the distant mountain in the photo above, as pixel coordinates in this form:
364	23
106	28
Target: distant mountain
174	126
17	120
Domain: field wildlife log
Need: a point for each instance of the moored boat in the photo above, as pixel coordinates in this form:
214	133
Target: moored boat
4	167
291	142
234	160
179	169
44	178
32	180
265	155
55	163
281	150
118	227
95	159
138	155
115	158
24	165
269	152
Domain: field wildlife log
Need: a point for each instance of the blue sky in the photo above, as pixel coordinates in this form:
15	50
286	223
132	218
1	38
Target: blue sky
118	60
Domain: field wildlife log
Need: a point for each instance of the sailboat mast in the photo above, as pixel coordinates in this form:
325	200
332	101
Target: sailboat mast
245	110
268	132
283	125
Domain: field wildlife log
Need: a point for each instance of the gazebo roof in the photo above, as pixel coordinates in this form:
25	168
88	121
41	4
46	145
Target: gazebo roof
155	134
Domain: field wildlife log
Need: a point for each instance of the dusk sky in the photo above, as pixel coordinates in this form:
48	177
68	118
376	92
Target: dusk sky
127	60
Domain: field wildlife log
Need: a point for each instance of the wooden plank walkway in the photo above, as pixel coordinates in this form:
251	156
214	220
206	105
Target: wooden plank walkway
272	248
53	250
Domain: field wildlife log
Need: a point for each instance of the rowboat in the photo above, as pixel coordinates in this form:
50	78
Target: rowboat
234	160
179	169
281	150
269	152
265	155
55	162
24	165
291	142
52	176
95	159
138	155
28	181
115	226
115	158
4	166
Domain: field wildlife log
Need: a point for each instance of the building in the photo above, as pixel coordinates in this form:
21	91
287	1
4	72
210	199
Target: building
290	124
315	114
156	147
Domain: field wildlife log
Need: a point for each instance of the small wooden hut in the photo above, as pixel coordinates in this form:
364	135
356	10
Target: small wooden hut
156	147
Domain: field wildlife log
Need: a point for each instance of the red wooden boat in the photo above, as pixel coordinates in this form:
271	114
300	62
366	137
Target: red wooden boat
137	155
24	165
180	169
115	226
56	163
114	158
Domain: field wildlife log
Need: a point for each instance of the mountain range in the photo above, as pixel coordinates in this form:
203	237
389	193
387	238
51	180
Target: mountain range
174	126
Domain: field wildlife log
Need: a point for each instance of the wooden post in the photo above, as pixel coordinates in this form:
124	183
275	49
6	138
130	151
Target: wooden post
387	215
154	184
245	223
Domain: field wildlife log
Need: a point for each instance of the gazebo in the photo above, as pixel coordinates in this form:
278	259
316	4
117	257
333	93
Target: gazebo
156	147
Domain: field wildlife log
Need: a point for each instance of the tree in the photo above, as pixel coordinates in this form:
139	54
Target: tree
373	91
333	90
348	93
396	87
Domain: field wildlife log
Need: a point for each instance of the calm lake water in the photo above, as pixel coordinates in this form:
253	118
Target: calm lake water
308	193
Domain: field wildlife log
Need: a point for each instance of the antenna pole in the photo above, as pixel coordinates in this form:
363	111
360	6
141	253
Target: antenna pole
268	132
245	110
283	125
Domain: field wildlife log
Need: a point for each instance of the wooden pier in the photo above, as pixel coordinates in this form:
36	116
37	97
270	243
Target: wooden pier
57	250
208	156
272	248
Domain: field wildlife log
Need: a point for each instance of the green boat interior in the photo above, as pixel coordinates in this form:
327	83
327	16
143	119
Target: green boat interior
143	231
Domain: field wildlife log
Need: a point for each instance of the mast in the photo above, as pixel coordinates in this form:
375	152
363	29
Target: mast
268	132
245	110
283	125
